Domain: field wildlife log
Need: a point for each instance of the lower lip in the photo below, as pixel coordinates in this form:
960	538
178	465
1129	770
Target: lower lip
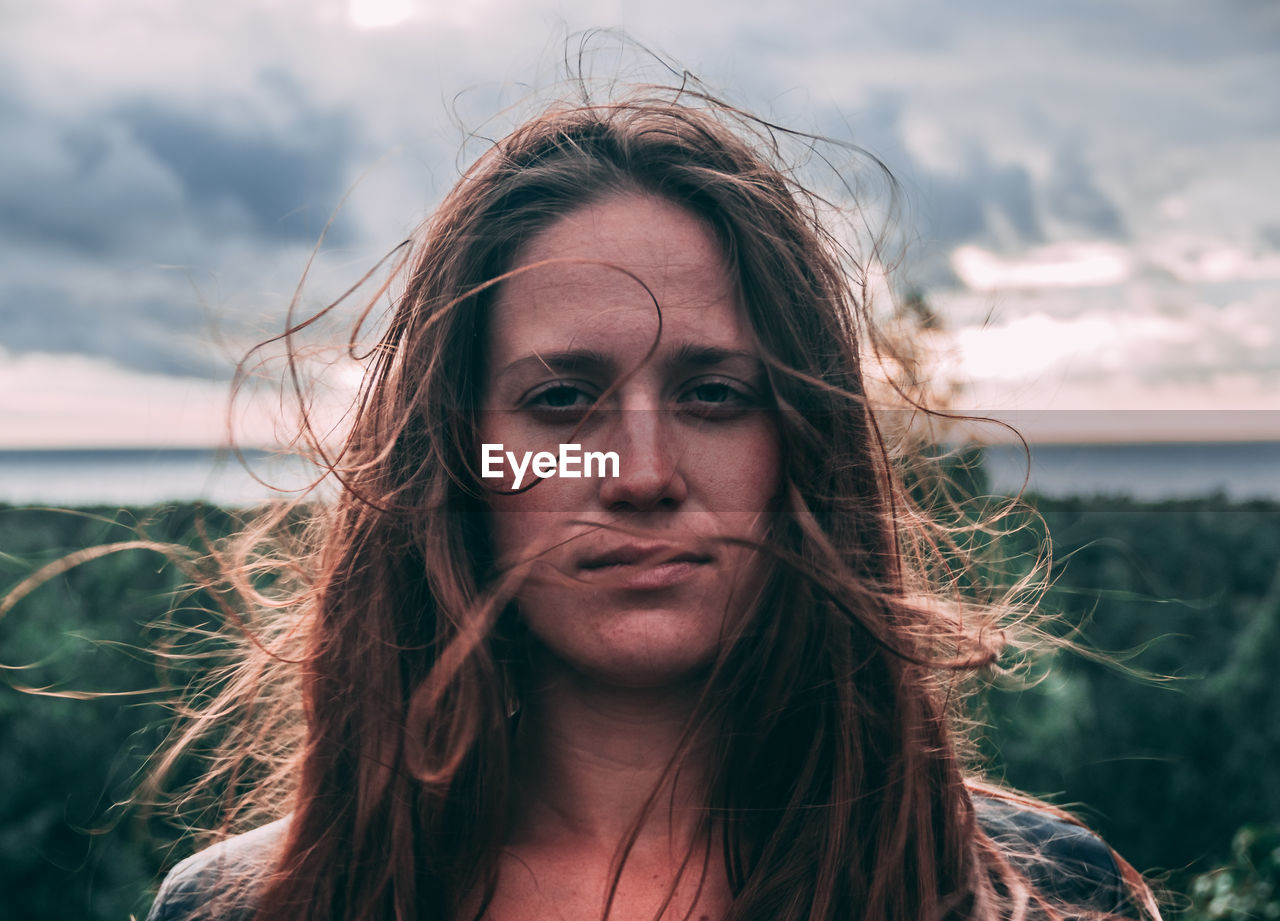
644	578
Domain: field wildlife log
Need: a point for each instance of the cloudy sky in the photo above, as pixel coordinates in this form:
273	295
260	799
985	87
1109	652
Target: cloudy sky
1092	200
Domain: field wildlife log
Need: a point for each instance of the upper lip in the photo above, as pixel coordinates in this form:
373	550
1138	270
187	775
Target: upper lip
643	553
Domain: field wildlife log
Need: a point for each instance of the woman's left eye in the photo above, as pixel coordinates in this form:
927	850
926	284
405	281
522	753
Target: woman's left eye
717	398
713	393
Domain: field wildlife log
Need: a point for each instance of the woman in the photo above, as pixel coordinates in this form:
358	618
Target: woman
713	682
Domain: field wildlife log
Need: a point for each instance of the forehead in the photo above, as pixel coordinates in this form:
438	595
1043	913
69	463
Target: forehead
605	271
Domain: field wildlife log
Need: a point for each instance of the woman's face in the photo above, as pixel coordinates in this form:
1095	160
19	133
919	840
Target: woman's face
629	584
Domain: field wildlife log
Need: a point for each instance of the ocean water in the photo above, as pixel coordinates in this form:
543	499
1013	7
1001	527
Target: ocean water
1239	470
145	476
1147	471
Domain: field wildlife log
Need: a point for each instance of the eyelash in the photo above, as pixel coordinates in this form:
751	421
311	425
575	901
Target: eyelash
738	399
535	402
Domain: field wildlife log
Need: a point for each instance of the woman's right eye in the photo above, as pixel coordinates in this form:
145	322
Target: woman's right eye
560	401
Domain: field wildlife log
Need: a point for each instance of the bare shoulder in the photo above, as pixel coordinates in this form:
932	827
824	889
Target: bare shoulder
222	881
1066	862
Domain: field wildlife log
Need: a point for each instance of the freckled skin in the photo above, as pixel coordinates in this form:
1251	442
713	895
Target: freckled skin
699	449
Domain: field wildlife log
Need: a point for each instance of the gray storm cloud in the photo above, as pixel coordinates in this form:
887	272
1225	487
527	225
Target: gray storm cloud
111	217
219	149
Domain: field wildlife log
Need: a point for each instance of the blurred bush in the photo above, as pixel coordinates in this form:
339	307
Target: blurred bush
82	708
1166	771
1247	888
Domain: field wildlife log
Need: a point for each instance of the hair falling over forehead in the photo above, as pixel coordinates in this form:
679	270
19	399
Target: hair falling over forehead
378	679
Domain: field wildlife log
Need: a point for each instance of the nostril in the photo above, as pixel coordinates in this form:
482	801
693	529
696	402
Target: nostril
643	488
634	504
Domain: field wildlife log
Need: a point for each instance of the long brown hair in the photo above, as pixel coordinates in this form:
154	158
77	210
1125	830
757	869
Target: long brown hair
838	789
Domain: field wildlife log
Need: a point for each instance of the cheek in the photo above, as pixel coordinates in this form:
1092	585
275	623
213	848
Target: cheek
536	522
742	475
524	520
506	533
761	476
515	529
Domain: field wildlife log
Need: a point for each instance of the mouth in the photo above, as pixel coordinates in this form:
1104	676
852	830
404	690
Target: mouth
643	566
642	555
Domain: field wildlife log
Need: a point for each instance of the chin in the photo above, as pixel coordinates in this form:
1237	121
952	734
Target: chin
639	650
653	672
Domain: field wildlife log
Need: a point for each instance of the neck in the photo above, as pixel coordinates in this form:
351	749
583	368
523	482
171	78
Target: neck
589	756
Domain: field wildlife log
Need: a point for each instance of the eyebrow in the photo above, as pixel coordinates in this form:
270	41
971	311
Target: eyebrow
568	361
691	355
580	361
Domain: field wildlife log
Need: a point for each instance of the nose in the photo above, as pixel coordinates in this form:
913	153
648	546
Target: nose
650	475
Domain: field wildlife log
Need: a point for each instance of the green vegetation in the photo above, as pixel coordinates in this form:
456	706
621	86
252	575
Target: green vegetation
1180	775
1248	887
1167	770
68	847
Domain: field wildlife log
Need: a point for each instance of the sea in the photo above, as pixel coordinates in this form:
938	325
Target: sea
147	476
